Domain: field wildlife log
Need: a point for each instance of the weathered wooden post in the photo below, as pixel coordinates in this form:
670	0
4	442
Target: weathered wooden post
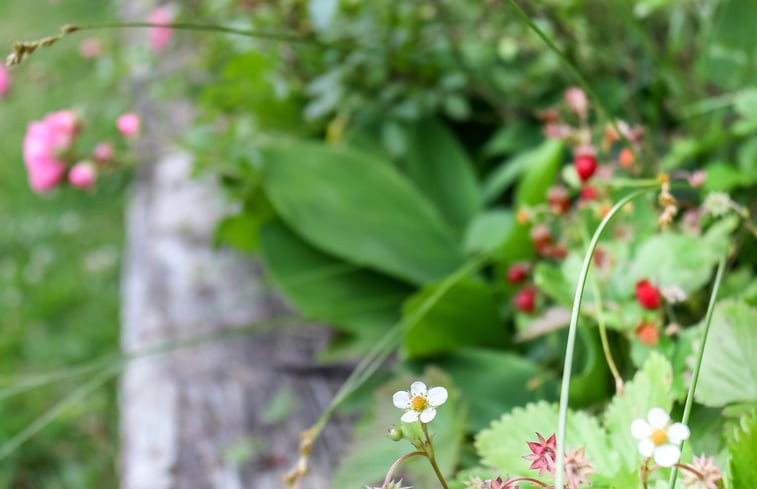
200	416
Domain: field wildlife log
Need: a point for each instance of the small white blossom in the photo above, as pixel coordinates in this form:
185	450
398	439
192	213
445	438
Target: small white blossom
419	402
659	438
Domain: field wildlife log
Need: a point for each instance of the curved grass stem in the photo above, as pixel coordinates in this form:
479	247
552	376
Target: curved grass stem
700	354
570	346
572	70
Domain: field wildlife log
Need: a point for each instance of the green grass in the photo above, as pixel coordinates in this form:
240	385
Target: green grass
59	260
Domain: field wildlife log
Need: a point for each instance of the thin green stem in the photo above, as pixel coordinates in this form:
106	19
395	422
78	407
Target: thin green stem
278	36
570	346
49	416
600	317
389	342
700	354
572	70
119	360
432	457
396	464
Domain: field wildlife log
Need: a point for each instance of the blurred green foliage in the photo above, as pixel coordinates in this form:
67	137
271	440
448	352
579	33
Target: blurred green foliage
59	264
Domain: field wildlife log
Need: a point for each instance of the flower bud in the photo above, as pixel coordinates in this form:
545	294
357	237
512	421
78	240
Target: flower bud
395	433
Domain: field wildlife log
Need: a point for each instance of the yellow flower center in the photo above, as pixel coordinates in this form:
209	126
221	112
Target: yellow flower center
659	436
418	403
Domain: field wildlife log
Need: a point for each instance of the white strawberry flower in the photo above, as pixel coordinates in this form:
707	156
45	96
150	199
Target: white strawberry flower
419	402
659	438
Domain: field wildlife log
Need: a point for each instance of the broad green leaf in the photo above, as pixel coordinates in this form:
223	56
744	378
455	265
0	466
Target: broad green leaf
503	445
678	260
488	231
359	209
723	177
482	374
440	168
510	138
240	231
466	315
368	458
538	168
324	288
742	445
729	366
649	388
542	166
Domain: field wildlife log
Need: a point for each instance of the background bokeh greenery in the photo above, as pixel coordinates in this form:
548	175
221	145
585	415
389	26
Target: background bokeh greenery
59	263
431	109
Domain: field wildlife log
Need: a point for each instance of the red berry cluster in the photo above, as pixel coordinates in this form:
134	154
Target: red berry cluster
525	298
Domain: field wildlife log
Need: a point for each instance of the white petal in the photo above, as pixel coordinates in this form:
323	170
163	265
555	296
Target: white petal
401	399
646	447
428	414
437	396
667	455
640	429
677	433
410	417
658	418
417	388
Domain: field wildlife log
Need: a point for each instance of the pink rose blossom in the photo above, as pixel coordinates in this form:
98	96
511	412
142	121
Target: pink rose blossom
82	175
5	80
159	37
129	125
90	48
102	153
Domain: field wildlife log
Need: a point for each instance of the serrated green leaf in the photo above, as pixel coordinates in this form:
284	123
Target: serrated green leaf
360	209
649	388
504	444
675	260
729	366
742	445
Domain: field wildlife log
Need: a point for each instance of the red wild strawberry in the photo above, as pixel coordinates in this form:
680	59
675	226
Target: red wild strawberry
525	299
585	165
648	334
558	252
588	193
517	273
557	198
541	236
647	295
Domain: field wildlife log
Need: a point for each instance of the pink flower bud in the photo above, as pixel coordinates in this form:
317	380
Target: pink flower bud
576	100
159	37
90	48
698	178
5	80
102	153
82	175
129	125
